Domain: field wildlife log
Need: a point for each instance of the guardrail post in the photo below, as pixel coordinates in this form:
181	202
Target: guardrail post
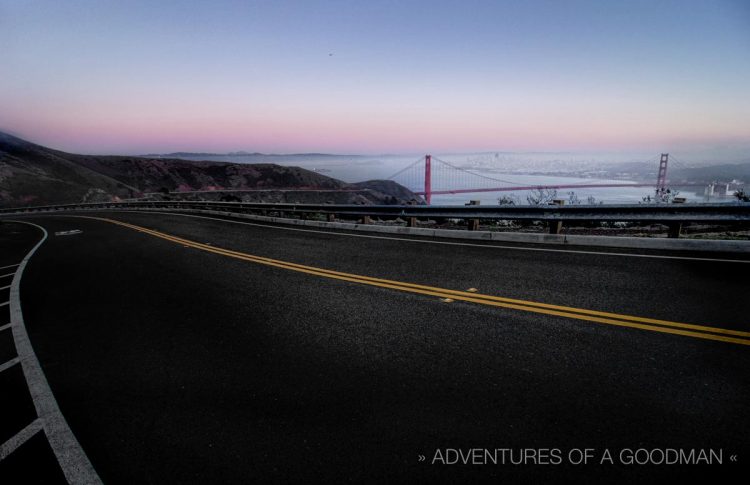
674	229
331	217
366	220
411	222
472	224
555	227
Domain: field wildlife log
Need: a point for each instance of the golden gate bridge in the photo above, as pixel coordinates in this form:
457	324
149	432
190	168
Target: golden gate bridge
420	177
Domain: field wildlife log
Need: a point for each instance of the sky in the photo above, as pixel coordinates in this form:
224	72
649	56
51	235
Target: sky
289	76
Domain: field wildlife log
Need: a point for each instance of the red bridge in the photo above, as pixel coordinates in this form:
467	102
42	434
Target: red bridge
462	177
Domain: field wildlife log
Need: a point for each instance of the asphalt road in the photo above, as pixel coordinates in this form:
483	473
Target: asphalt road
175	364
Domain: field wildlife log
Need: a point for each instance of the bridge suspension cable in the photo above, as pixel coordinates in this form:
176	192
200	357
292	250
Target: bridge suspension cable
465	170
408	167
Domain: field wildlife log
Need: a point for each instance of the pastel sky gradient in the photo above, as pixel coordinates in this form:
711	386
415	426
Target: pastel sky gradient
380	76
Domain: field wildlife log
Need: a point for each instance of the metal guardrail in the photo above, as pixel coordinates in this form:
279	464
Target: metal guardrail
673	215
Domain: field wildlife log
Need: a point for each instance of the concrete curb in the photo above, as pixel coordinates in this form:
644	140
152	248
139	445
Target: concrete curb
519	237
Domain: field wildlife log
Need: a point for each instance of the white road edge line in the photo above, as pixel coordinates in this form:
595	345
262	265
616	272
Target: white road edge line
9	364
489	246
4	287
72	459
20	438
9	266
4	303
6	326
6	275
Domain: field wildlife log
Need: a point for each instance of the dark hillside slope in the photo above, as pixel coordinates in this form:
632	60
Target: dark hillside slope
31	174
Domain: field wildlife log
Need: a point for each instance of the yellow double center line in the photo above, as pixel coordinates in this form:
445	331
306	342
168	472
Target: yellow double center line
664	326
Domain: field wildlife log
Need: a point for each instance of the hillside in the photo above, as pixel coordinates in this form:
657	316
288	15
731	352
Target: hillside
31	174
722	173
676	173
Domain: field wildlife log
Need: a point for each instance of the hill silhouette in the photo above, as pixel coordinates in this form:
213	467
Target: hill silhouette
32	174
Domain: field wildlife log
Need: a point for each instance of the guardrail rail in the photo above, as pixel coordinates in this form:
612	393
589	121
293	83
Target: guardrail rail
671	215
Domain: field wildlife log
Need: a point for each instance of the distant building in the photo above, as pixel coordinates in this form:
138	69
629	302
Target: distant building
720	189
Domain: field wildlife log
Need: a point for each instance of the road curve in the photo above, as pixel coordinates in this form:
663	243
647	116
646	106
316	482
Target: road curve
192	349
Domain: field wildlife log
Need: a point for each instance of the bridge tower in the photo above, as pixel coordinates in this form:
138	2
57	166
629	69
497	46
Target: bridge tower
661	179
427	178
